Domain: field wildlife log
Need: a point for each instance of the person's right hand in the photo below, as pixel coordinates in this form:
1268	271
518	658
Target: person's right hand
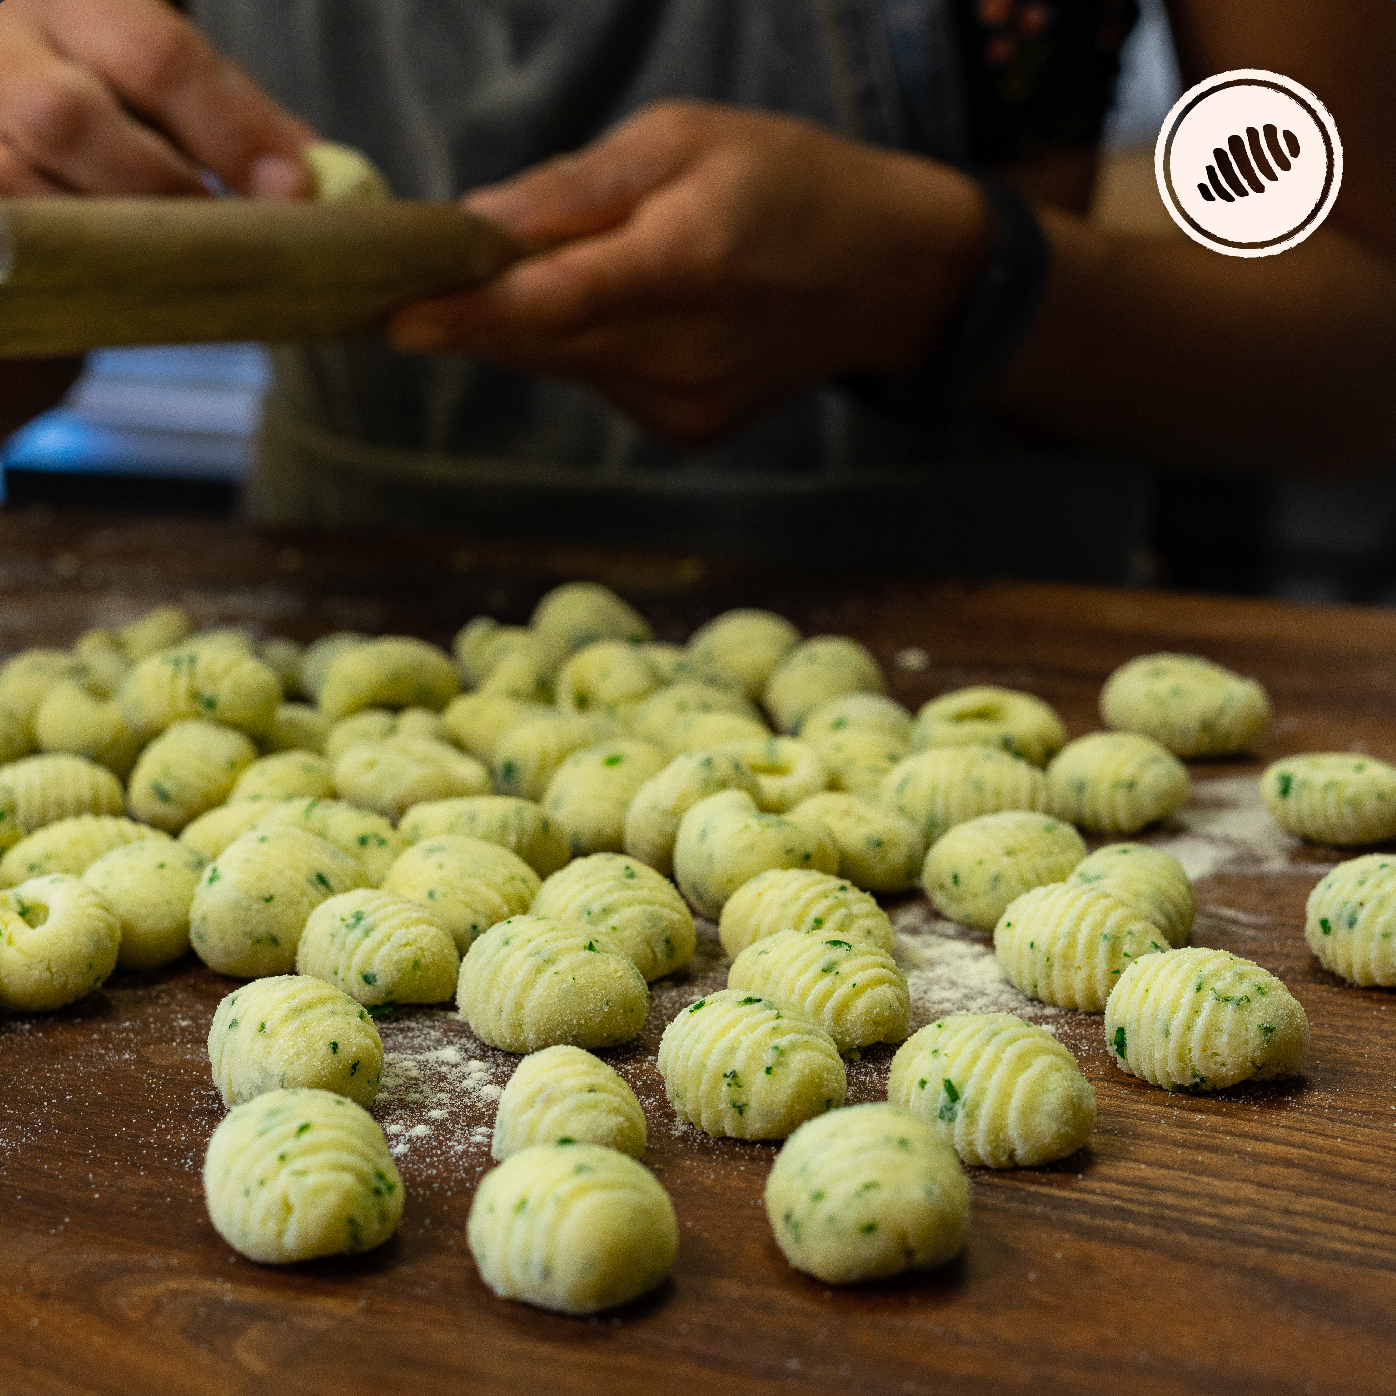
126	97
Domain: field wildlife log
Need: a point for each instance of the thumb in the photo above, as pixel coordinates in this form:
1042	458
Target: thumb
596	188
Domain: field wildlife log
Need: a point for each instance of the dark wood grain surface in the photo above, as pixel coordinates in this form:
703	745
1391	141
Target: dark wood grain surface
1239	1244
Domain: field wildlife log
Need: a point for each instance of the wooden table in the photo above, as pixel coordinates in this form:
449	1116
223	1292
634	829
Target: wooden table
1237	1244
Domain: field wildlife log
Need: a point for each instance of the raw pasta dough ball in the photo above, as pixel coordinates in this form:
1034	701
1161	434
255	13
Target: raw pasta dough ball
527	756
284	776
320	654
638	911
390	777
379	948
298	1174
16	740
708	731
786	770
58	942
10	832
188	769
477	722
854	992
25	680
1115	782
653	816
292	1031
1188	704
45	789
515	824
656	718
1151	883
70	846
975	870
828	666
216	681
533	982
379	725
297	727
251	905
724	841
744	645
211	833
945	786
1328	797
740	1066
986	716
573	1227
577	614
283	658
867	1192
811	902
340	174
1202	1020
367	838
75	718
149	885
156	630
1067	944
860	761
468	885
393	672
857	712
1006	1094
591	791
610	678
483	648
563	1095
879	849
1351	921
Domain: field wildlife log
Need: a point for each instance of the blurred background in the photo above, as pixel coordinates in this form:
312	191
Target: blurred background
170	429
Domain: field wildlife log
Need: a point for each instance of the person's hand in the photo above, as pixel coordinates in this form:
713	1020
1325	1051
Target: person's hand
126	97
713	261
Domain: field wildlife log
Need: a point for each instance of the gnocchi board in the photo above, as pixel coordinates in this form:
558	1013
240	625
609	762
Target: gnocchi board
1244	1243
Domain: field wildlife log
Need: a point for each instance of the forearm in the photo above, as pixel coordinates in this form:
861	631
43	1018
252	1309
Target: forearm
1163	347
31	386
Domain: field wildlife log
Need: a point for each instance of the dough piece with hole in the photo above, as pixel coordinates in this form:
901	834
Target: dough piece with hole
58	942
1017	723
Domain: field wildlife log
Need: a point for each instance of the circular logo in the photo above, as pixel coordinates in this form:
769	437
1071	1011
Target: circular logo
1248	163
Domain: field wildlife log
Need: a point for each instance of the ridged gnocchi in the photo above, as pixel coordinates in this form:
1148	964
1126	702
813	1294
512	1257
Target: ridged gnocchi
1115	782
70	845
44	789
1185	703
395	671
187	770
610	678
389	777
945	786
213	682
879	849
653	816
591	791
83	722
285	775
366	837
1330	797
1149	881
813	672
1350	921
812	903
745	646
513	823
526	757
563	1095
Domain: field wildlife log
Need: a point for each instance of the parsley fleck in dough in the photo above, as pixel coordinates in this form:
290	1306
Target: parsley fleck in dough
1115	782
563	1095
1351	921
71	846
251	906
1330	797
286	775
293	1031
467	884
828	666
577	614
574	1228
653	816
1014	722
299	1174
81	718
340	174
188	769
591	791
379	948
976	869
745	646
395	671
812	903
1004	1092
865	1193
639	912
533	982
391	776
1067	944
527	756
58	942
879	849
212	679
945	786
724	841
516	824
608	678
854	992
1185	703
740	1066
45	789
366	837
1150	882
1202	1020
149	885
787	771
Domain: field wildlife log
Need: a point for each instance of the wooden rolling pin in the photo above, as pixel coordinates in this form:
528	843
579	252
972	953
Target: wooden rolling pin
80	274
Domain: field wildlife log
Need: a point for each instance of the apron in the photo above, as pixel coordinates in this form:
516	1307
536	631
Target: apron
445	95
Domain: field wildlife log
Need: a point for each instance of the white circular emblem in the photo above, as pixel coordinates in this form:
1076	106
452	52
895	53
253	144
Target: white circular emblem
1248	163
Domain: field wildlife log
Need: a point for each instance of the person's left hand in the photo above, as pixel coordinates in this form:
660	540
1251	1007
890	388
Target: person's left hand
713	261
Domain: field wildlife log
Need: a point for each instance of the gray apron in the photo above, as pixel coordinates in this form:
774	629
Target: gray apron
445	95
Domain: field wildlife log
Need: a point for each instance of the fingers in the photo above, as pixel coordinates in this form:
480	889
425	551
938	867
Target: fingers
19	179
